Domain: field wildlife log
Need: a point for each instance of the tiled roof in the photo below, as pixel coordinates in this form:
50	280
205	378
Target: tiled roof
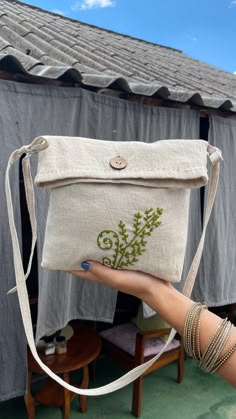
40	43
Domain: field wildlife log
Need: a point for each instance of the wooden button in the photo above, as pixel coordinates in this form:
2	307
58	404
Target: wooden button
118	163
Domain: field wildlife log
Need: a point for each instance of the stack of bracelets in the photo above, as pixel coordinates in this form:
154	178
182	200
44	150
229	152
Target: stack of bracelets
210	360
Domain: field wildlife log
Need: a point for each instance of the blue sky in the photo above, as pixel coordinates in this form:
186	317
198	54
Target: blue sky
203	29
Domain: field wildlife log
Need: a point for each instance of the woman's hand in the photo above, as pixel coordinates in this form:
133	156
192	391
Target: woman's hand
163	298
136	283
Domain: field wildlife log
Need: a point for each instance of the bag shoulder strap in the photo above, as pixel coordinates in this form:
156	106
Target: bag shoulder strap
215	157
35	147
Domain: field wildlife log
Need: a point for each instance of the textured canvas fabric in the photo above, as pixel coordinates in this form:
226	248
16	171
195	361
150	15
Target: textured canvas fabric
135	217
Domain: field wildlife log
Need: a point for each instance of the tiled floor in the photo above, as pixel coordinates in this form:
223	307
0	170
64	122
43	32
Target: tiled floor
200	396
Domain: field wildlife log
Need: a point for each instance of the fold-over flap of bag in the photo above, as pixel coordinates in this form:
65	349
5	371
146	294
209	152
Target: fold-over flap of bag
165	163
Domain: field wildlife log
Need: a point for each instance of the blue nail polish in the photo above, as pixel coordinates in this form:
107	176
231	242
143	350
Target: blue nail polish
85	266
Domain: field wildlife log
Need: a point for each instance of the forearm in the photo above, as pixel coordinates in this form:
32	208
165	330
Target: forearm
173	307
163	298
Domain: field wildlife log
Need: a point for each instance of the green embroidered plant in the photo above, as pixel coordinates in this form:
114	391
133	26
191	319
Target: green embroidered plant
126	249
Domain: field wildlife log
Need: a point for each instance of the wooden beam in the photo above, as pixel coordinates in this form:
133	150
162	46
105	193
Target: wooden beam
204	111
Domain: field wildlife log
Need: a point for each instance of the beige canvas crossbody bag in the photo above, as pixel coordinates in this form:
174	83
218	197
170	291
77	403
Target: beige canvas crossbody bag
124	204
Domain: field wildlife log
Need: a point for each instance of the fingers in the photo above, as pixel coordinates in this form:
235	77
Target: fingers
97	272
131	282
94	271
83	274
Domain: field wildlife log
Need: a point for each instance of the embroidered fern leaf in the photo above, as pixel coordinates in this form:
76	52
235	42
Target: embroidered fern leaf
123	232
126	249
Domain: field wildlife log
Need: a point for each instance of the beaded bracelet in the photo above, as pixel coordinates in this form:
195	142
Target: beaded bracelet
196	335
224	358
211	345
191	330
209	361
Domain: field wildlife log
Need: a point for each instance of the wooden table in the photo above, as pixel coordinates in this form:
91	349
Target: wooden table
83	348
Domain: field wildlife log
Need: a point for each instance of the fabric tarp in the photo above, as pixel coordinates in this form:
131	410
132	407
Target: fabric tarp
28	111
216	285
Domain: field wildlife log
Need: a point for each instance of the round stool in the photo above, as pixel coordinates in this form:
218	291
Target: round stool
83	348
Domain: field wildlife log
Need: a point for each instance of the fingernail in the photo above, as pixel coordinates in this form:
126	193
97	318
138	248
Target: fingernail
85	266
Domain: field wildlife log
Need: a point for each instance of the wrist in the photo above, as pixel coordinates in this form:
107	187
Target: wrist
157	291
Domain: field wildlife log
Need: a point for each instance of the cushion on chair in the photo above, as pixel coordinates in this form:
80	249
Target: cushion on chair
124	335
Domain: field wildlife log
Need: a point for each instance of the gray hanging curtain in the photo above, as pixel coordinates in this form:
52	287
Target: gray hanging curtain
216	285
28	111
13	363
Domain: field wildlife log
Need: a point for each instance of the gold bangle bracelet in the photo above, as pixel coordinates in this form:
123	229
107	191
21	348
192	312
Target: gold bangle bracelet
191	330
218	347
188	327
210	361
224	358
213	344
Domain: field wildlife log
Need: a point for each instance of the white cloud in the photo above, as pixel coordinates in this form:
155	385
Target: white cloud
232	3
91	4
192	38
59	12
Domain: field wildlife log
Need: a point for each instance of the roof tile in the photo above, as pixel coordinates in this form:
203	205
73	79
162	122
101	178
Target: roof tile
50	45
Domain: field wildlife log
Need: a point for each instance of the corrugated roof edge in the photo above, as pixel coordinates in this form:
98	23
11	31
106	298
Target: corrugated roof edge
13	65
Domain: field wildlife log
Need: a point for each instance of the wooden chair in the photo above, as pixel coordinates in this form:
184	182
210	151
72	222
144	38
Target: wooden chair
135	354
